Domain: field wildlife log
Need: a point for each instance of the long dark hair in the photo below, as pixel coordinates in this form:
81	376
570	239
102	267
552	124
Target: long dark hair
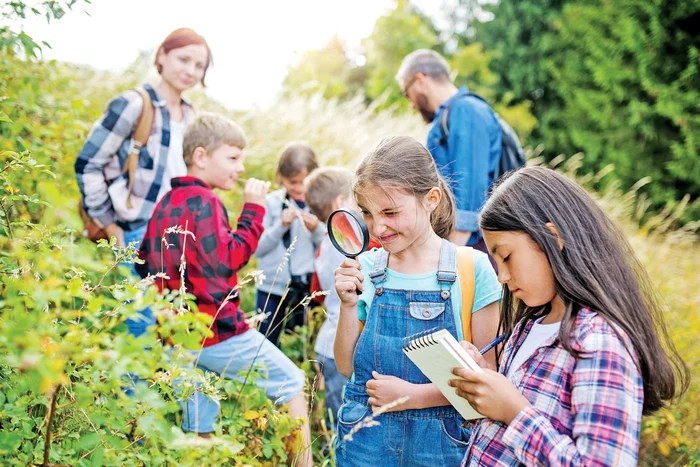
597	269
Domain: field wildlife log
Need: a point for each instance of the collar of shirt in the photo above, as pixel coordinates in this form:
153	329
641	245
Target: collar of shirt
188	180
159	101
462	91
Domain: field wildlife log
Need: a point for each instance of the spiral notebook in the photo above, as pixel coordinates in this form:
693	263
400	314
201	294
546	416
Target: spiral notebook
435	354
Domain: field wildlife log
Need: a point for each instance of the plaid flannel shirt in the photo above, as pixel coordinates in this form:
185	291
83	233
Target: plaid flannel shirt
583	412
213	257
98	168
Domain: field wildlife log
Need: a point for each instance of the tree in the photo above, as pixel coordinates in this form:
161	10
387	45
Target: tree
617	80
395	35
328	70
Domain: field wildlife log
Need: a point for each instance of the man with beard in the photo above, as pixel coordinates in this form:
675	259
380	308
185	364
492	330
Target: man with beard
468	155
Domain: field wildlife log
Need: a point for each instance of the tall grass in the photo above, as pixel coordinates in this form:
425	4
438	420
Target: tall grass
341	132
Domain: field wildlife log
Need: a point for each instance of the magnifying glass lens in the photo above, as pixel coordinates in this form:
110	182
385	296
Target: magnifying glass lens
348	233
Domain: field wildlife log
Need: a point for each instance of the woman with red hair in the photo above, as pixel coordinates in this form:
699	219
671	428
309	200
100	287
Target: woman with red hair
119	192
121	201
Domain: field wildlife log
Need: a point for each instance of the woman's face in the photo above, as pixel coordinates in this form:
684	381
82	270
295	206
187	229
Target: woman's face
522	266
184	67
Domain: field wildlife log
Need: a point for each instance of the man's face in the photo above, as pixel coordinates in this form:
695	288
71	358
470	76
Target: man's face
415	90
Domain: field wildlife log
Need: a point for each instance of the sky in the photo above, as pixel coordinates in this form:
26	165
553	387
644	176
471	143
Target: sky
252	42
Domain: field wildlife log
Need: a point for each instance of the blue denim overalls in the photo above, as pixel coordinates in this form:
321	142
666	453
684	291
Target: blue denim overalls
429	437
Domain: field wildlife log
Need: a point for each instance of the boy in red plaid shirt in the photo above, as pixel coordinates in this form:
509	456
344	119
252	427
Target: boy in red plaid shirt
213	152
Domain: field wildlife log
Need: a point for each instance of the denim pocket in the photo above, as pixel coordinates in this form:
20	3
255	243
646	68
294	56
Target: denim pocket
351	412
425	311
455	432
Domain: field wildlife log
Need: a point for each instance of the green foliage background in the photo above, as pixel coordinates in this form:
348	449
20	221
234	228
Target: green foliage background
63	301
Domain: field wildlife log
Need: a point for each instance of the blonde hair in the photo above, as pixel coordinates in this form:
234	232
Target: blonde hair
296	157
323	186
211	131
401	162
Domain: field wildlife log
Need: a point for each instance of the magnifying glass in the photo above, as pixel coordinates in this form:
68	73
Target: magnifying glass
348	232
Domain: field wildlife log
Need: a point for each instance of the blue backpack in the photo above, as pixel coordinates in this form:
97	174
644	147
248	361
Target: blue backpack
512	154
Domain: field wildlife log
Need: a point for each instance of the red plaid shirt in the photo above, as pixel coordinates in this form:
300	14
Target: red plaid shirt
583	412
213	256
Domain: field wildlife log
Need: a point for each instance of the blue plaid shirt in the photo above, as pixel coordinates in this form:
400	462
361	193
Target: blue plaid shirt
99	165
470	158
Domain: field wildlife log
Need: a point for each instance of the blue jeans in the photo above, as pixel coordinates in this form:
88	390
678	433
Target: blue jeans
232	359
334	383
138	324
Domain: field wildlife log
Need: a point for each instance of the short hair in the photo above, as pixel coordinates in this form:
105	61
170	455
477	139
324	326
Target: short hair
294	158
323	186
211	131
424	61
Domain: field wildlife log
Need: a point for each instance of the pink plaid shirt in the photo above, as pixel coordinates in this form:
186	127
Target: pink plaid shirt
583	412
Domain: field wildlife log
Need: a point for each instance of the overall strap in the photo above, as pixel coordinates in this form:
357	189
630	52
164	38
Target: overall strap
447	268
378	274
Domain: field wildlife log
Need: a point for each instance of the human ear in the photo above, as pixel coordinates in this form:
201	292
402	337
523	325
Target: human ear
200	157
338	202
432	199
553	228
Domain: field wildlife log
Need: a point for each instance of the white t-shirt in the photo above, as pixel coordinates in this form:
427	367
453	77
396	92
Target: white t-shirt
176	164
538	335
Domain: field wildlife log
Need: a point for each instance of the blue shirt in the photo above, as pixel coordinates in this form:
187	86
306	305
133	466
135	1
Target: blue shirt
486	287
470	158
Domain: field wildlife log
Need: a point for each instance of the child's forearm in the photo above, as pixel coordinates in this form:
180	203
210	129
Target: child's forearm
425	396
347	334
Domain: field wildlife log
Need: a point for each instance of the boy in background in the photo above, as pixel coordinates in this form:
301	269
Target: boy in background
213	152
328	189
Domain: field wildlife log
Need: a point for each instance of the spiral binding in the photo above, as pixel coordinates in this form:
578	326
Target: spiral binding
419	340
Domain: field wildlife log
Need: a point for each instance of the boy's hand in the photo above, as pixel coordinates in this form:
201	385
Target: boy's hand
385	389
348	280
288	216
255	191
310	221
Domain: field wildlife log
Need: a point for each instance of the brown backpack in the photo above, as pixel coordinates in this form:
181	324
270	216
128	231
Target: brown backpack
144	125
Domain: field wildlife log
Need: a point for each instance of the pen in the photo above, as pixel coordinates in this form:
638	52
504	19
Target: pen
493	344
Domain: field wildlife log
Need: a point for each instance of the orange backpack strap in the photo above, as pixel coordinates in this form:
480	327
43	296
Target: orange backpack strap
465	272
144	125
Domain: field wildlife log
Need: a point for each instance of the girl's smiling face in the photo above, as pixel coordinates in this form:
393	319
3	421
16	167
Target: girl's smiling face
395	217
522	266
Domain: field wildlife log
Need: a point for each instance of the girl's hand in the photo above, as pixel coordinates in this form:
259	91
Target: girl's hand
348	280
489	393
475	354
384	390
288	216
310	221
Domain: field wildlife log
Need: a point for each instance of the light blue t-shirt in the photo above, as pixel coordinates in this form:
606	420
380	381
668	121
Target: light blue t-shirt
486	287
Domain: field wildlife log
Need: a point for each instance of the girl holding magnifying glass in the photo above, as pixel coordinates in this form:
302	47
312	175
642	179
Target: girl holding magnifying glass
406	287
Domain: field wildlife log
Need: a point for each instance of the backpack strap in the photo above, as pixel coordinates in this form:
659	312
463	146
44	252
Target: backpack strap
467	279
144	126
445	116
444	124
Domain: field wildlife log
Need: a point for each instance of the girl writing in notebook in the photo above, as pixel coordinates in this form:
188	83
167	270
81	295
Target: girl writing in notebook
409	286
588	352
